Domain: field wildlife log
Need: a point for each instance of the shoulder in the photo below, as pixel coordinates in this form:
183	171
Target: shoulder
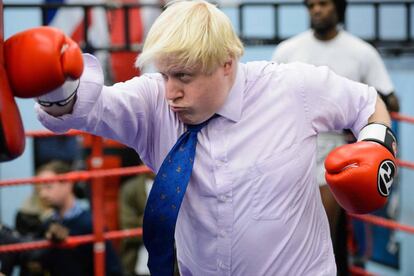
146	81
271	75
148	88
284	49
296	40
84	216
258	69
358	44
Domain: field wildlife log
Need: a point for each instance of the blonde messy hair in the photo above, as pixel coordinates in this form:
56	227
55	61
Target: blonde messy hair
196	34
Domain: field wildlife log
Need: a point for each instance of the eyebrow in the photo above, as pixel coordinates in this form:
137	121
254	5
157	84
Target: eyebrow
176	72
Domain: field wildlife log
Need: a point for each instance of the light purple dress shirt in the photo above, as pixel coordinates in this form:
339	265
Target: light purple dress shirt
252	206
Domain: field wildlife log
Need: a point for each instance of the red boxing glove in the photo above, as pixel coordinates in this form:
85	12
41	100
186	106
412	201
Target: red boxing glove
40	60
360	175
12	138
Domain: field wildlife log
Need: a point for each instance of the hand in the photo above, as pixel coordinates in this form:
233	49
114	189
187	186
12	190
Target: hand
40	60
57	232
360	175
391	102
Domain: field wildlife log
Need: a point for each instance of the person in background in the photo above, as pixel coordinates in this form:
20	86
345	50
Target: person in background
132	200
29	225
69	218
327	43
53	212
30	220
32	214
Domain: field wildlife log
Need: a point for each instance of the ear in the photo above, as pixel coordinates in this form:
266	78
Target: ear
228	67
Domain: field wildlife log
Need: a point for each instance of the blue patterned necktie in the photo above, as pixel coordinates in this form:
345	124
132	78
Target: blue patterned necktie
165	200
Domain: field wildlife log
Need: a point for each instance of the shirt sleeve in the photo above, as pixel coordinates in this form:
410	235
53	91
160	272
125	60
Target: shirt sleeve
334	103
376	74
122	112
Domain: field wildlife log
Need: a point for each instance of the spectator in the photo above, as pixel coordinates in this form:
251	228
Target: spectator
132	200
326	43
70	218
32	214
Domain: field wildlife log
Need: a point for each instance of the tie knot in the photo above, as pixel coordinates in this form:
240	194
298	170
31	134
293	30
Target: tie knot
198	127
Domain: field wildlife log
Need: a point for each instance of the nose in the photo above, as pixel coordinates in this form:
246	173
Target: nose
42	193
173	90
315	9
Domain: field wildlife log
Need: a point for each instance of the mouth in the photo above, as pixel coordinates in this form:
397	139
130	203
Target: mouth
177	108
316	19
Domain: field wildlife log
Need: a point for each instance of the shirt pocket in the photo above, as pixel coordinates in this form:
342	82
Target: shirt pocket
275	185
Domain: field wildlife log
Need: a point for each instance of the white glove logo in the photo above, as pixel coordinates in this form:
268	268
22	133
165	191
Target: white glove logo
386	177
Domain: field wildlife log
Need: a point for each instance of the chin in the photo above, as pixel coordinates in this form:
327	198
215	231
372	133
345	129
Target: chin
185	119
189	120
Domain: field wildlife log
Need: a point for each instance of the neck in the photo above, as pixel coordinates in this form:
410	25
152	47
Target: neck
326	34
232	78
66	206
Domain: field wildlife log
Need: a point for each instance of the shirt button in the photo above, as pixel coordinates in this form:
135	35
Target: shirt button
221	265
225	198
221	162
223	233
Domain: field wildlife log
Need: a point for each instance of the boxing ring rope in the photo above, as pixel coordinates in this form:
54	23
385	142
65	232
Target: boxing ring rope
70	242
96	175
78	176
402	118
46	133
386	223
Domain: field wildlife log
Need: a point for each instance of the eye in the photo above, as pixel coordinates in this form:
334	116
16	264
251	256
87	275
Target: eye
184	77
164	76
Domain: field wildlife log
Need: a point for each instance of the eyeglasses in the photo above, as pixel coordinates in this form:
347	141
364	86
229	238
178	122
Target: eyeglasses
58	103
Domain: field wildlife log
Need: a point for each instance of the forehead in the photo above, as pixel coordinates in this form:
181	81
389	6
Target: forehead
46	173
320	2
171	64
49	185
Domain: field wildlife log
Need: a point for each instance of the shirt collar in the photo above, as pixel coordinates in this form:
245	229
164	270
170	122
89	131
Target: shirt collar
74	211
232	108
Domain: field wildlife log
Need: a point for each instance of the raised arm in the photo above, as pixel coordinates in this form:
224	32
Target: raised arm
45	64
380	114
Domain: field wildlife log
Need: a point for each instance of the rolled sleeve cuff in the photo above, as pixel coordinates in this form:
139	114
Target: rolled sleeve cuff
90	87
366	112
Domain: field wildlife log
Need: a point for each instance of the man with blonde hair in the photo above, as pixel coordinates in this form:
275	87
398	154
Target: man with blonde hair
251	205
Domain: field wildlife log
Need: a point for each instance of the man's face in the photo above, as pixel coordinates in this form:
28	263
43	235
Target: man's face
193	95
54	194
322	14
